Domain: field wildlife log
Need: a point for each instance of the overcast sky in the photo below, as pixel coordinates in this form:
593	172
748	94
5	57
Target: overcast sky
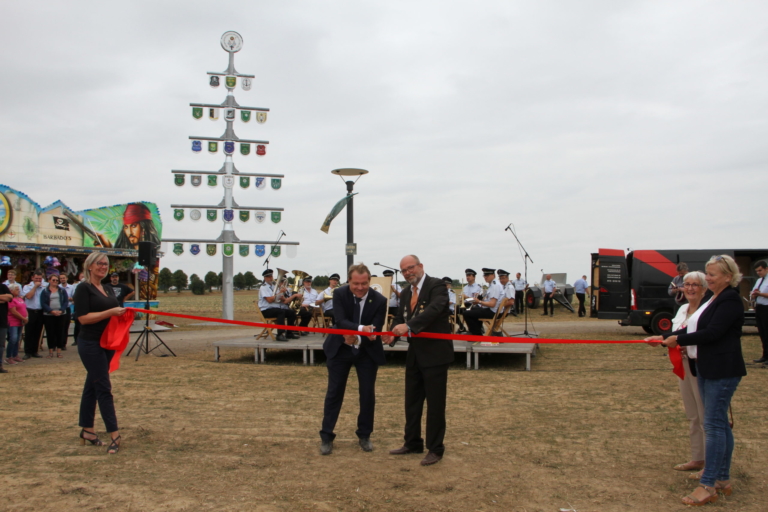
585	124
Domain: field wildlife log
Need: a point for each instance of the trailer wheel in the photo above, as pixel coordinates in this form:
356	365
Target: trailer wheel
661	323
647	329
531	301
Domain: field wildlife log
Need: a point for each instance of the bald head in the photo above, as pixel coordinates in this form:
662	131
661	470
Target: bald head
412	269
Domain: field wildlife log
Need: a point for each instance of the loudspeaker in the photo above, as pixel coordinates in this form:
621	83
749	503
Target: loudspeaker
147	254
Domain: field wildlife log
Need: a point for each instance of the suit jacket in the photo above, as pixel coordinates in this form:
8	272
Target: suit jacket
431	315
718	337
374	313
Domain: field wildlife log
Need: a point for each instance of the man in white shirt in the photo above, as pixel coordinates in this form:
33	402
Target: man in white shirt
451	295
485	308
520	286
470	290
307	304
327	304
760	296
394	296
34	328
549	289
508	291
272	305
11	278
581	288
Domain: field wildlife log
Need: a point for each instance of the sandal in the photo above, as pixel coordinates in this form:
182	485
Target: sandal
697	475
114	447
724	487
83	439
690	466
693	502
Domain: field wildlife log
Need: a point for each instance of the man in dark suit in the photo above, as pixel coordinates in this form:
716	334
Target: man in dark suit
356	307
423	308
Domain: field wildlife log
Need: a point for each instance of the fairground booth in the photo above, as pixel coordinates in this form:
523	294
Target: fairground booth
57	238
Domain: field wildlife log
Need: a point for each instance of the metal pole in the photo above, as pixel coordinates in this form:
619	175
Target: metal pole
350	224
227	264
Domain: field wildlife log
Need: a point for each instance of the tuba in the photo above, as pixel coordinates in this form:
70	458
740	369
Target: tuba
298	281
280	283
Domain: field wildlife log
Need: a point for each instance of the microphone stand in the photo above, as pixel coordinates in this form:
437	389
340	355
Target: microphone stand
527	257
282	234
397	270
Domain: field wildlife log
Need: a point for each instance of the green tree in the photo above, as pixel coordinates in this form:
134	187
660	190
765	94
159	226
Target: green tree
165	279
219	280
197	287
250	279
320	282
193	278
211	280
239	280
180	280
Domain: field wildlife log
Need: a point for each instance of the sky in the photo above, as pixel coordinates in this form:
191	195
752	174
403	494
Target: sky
636	124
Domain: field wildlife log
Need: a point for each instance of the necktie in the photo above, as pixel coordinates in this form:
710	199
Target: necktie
356	311
414	298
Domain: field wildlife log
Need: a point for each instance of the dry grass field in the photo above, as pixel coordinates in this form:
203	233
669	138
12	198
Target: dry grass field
592	427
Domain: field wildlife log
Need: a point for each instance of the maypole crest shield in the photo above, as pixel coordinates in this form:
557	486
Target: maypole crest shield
275	217
261	150
244	215
194	249
196	180
229	215
178	179
228	250
210	249
197	112
260	183
212	181
195	214
277	183
244	250
276	251
231	82
245	83
229	147
260	216
214	81
261	117
178	249
213	147
245	181
197	146
228	181
259	250
211	215
245	115
178	214
245	149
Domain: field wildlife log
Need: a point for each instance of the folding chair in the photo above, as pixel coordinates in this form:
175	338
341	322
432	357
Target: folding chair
492	324
267	331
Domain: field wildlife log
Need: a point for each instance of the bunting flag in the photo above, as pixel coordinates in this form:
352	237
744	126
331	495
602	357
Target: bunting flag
212	180
260	183
244	215
245	115
213	113
260	216
245	181
197	146
261	117
211	215
197	112
214	81
229	147
178	179
178	214
276	251
276	183
244	250
261	150
195	214
334	212
196	180
245	83
231	82
275	217
178	249
210	249
229	215
194	249
245	149
228	250
213	147
259	250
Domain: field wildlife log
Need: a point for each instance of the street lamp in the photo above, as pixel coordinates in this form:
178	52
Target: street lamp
346	176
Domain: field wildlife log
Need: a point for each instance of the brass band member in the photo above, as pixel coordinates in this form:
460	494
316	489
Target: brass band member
327	303
394	296
508	291
471	289
274	304
307	304
485	308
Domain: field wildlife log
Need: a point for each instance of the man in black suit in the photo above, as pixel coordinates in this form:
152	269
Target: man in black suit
423	308
356	307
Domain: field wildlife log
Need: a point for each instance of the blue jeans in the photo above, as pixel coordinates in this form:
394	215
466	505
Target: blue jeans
14	335
716	396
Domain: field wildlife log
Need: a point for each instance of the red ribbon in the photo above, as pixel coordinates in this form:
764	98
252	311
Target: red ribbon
676	358
115	337
433	335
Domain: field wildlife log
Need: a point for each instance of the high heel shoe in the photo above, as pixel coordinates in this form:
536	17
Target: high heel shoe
725	490
94	442
114	446
710	498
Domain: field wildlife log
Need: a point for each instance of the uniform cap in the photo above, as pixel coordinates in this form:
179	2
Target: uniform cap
488	271
335	276
388	273
308	279
447	280
502	272
470	271
267	273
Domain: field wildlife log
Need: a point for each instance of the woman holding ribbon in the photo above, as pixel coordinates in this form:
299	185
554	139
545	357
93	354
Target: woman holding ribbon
94	306
695	289
716	332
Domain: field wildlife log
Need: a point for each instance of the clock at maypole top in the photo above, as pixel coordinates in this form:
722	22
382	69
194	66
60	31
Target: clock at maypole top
231	41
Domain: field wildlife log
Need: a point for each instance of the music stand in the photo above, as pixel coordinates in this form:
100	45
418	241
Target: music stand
142	342
525	333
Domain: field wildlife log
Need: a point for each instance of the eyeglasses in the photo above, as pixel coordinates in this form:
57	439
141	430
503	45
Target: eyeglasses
102	264
691	285
408	270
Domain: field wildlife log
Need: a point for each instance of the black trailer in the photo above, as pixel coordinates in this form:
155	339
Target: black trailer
633	288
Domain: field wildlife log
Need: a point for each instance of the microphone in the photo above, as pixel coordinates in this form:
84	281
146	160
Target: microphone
376	263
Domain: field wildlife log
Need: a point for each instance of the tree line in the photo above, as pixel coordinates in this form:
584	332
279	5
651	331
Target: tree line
243	281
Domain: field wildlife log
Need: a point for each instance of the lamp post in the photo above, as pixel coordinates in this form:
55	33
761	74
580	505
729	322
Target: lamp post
346	176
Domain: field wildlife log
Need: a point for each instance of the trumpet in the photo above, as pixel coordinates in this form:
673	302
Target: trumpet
329	296
477	297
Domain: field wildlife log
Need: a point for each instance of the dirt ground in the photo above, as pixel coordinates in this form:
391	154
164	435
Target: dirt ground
592	428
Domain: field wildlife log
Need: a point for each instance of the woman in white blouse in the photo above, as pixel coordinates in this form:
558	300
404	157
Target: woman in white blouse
695	288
